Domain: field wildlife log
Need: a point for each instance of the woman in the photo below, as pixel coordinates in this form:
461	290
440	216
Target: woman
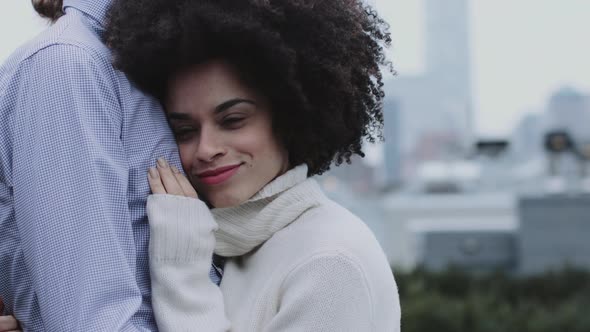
261	95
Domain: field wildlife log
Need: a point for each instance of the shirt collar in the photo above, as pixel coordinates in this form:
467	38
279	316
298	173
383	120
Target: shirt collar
96	9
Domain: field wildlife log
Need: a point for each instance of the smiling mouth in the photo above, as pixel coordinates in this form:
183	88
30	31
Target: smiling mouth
218	175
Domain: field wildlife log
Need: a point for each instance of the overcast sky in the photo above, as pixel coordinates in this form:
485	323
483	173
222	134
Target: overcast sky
522	50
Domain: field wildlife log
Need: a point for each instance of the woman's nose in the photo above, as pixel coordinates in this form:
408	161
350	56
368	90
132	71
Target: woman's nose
210	146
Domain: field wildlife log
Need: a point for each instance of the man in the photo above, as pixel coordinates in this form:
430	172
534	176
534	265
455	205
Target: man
76	140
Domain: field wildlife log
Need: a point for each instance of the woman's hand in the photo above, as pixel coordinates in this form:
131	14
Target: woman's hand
7	323
167	179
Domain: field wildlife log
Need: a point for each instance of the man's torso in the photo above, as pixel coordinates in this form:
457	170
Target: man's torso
144	137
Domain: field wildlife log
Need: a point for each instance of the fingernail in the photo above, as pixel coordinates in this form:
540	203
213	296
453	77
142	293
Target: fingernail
174	169
153	173
162	162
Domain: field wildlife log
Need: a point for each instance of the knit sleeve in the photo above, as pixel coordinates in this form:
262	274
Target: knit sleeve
330	292
181	247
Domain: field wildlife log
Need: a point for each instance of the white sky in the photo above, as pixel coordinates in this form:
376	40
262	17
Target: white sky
522	50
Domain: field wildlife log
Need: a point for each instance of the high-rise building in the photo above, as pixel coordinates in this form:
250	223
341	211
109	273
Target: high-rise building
448	59
439	101
393	154
447	44
569	110
528	136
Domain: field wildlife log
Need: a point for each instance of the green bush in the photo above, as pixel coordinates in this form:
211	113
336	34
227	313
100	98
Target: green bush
459	301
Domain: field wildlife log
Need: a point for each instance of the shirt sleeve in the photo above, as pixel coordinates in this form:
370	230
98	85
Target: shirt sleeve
70	191
181	246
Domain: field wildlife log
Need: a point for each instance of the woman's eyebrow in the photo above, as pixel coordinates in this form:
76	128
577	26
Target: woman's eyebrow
178	116
232	102
220	108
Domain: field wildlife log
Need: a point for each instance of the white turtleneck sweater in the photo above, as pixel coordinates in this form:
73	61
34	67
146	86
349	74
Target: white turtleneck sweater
297	261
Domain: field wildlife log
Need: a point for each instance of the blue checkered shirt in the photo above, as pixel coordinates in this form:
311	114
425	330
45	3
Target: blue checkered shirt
76	140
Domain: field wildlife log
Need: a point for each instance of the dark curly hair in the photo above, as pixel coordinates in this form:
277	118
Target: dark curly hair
318	62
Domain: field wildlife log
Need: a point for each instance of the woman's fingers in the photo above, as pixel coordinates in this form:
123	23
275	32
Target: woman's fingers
8	323
155	181
168	178
184	183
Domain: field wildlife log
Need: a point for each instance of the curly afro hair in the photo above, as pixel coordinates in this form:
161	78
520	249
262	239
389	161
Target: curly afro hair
318	62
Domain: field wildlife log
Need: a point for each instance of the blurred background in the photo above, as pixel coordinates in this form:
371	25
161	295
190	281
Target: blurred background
480	193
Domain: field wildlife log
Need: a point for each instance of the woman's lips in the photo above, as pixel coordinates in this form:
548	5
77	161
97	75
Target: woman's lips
218	175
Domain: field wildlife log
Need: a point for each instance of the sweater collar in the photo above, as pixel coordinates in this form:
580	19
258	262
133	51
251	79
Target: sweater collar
248	225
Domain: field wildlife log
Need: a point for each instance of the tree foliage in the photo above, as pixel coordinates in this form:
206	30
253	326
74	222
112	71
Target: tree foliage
459	301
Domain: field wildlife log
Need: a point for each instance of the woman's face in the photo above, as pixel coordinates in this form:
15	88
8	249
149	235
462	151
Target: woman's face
224	133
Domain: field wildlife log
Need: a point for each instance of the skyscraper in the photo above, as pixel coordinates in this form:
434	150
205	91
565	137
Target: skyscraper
448	59
392	135
569	110
438	101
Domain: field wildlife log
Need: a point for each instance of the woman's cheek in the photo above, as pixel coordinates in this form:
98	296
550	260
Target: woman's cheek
185	151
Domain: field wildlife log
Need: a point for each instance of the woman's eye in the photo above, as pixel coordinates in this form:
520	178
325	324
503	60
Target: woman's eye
233	122
183	133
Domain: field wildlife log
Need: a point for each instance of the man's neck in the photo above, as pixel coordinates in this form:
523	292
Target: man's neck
96	9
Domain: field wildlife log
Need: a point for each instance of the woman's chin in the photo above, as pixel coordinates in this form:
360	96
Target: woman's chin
229	195
225	201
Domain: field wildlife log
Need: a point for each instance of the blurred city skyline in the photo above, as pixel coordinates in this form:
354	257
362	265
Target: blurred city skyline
521	52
